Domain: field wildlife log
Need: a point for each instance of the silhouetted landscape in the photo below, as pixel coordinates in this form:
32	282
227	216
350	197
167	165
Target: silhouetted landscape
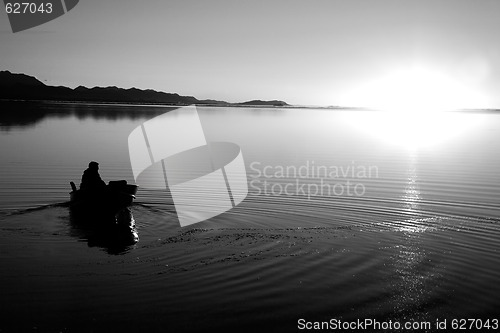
24	87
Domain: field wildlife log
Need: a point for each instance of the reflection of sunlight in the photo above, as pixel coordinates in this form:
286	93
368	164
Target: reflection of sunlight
413	129
411	199
412	193
410	255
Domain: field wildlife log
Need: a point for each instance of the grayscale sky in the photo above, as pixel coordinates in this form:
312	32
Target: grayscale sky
304	52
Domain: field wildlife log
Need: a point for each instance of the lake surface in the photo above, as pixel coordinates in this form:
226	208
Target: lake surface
350	215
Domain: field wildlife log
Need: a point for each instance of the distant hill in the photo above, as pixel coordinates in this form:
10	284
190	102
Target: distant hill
264	103
25	87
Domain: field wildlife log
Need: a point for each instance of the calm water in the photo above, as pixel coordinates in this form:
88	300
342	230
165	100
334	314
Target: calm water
351	215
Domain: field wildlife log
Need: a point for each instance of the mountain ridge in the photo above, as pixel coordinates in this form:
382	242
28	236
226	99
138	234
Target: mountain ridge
25	87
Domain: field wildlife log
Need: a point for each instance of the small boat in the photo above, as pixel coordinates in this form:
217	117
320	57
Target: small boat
105	202
103	216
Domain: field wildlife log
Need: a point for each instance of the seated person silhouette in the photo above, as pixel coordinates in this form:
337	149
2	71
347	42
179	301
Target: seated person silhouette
91	180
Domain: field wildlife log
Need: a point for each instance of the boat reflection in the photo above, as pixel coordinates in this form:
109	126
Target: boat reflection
116	235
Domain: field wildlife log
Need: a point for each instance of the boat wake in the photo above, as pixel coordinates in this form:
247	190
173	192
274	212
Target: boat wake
9	212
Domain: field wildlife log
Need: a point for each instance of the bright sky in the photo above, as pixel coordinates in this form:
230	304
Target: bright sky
304	52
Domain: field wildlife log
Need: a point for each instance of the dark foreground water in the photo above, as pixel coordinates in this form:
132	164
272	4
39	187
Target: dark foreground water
351	215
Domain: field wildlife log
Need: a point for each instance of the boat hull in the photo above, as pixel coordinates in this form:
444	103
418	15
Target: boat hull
105	202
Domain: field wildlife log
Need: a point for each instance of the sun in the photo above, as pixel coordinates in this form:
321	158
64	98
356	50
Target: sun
417	89
415	102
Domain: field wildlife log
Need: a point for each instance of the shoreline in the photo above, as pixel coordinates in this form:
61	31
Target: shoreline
166	105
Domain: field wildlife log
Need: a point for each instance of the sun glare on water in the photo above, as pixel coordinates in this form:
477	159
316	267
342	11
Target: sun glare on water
415	104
